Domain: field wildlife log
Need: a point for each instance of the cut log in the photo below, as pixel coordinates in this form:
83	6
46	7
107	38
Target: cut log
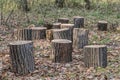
56	26
49	34
78	22
63	20
102	25
62	34
80	38
70	26
62	50
38	33
22	58
95	56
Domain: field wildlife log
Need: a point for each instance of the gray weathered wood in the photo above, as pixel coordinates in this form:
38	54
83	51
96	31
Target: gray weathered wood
22	58
78	22
70	26
63	20
62	34
38	33
95	56
80	38
102	25
62	50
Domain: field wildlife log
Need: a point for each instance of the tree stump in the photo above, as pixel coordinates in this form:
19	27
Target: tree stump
80	38
102	25
22	58
62	34
56	26
62	50
95	56
70	26
24	34
49	34
38	33
78	22
63	20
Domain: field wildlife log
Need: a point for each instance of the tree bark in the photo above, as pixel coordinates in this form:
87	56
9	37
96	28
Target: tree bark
61	34
62	50
70	27
38	33
102	25
80	38
95	56
63	20
22	58
78	22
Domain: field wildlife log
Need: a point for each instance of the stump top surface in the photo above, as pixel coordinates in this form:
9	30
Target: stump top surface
38	28
56	23
78	17
95	46
19	42
102	22
63	29
61	41
67	24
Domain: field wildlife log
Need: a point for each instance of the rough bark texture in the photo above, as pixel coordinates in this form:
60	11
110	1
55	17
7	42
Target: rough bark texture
63	20
70	26
80	38
56	26
102	25
38	33
24	34
78	22
62	34
22	59
95	56
62	50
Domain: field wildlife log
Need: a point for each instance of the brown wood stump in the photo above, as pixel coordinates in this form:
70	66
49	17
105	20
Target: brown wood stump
80	38
49	34
62	34
62	50
95	56
70	26
56	26
78	22
22	58
24	34
38	33
63	20
102	25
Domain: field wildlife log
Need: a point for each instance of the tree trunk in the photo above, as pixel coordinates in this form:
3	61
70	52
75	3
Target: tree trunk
63	20
70	26
102	25
38	33
95	56
60	3
56	26
87	6
62	50
78	22
22	58
80	38
61	34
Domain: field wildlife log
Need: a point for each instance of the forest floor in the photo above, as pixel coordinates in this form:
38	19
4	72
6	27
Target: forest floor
45	69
